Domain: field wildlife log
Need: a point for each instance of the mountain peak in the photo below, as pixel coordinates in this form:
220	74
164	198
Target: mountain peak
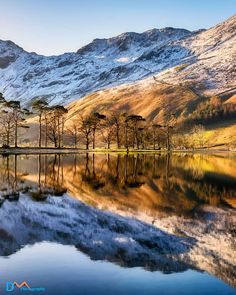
125	41
9	52
6	44
174	55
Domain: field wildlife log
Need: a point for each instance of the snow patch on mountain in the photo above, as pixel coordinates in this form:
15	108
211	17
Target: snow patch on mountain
206	57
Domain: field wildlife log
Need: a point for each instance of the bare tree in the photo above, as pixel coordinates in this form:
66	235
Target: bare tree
118	122
39	106
134	124
55	124
86	129
6	123
155	129
46	120
7	127
74	133
167	128
51	128
60	112
96	119
18	117
108	131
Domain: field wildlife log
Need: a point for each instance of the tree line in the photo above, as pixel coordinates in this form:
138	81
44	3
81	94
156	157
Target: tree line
111	130
120	130
211	111
50	120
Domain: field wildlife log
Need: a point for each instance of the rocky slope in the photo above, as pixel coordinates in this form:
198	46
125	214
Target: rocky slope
26	75
205	59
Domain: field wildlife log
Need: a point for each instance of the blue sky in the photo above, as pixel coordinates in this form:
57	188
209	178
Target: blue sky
57	26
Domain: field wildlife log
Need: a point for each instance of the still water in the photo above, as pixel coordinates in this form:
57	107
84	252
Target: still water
116	224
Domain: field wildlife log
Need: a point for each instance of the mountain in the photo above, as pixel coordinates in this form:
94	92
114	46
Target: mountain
212	60
205	59
149	98
25	75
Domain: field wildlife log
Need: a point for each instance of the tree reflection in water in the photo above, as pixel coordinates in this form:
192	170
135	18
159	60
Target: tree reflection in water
189	197
156	184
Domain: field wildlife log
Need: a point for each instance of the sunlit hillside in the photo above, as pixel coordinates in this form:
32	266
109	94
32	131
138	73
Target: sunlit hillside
152	99
148	98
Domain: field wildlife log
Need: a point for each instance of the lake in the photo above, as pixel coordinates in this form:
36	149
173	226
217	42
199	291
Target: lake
118	224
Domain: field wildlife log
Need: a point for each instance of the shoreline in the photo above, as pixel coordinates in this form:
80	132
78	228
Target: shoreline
36	150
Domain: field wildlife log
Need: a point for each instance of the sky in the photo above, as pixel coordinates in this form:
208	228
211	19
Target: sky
53	27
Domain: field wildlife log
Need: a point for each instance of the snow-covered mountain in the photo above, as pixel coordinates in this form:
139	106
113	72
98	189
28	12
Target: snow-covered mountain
204	56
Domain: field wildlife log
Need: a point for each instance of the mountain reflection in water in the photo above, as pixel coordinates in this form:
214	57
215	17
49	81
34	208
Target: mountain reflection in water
185	203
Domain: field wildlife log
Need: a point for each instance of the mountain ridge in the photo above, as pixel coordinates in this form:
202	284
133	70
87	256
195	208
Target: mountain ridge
126	58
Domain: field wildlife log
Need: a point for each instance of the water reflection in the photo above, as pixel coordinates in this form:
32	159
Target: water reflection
80	275
178	212
157	185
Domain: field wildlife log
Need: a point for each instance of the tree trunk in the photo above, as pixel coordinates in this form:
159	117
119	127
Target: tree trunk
118	137
94	135
62	132
40	130
87	143
168	139
137	139
154	140
126	137
133	138
136	136
16	133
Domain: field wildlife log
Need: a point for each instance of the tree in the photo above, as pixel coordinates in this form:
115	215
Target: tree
86	129
39	106
96	119
18	117
107	131
6	123
133	123
46	113
51	127
199	138
60	113
55	124
155	128
117	120
74	131
168	127
7	127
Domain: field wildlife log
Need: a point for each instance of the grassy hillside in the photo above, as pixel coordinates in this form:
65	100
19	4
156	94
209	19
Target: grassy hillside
151	99
147	98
